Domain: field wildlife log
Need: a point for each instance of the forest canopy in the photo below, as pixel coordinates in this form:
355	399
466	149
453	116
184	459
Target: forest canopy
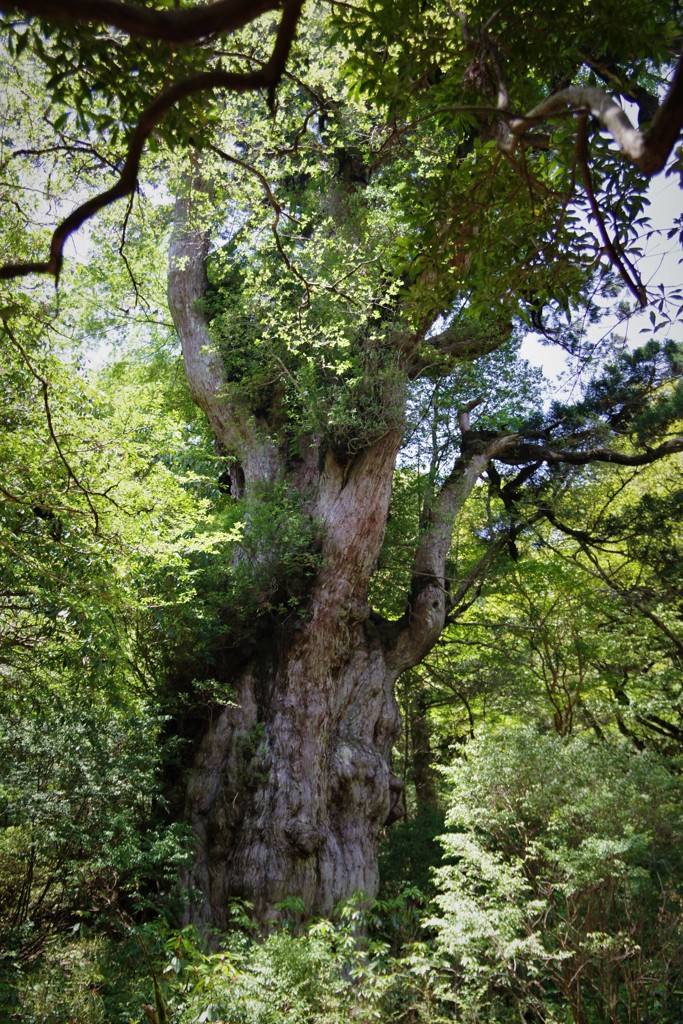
340	655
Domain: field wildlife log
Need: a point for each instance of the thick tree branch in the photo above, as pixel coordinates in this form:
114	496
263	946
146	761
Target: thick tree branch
429	600
649	150
521	452
184	26
461	340
613	76
584	538
661	726
231	420
266	77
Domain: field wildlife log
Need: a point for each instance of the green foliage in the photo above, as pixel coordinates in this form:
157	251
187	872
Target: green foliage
332	971
449	71
251	560
577	625
90	519
349	229
82	815
89	93
276	553
87	976
638	394
367	963
411	851
304	326
564	892
65	986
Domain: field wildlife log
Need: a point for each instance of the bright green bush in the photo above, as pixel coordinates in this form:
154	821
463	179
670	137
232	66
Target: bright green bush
350	969
563	896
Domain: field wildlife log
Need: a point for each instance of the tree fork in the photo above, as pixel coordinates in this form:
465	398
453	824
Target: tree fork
292	785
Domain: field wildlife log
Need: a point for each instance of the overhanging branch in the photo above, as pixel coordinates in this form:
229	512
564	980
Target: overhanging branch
522	452
266	77
183	26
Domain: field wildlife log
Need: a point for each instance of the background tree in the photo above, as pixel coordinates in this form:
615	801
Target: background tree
97	527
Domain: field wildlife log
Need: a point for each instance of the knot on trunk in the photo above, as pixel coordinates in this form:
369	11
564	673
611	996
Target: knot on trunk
304	837
397	809
427	609
364	784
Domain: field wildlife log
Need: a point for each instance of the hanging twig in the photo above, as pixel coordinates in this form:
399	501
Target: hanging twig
626	271
277	214
133	281
72	476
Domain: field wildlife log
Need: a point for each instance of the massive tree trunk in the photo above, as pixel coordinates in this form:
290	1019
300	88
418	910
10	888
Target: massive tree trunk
292	783
292	786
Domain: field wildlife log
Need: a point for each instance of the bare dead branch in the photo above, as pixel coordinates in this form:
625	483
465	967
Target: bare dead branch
464	413
649	150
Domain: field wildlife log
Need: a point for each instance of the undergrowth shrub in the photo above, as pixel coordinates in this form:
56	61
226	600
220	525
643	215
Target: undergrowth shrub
559	902
349	969
562	899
